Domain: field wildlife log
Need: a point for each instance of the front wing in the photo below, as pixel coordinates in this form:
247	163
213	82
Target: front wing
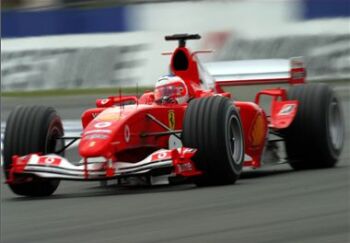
175	162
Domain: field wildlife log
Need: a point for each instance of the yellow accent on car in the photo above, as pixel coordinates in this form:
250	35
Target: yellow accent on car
171	117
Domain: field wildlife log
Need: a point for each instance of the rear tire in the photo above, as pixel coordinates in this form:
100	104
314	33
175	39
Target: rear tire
316	136
213	126
32	130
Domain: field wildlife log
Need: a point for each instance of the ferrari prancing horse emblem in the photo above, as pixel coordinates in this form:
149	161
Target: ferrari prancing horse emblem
171	117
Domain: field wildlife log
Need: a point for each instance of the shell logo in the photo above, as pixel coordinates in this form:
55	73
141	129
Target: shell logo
102	124
258	131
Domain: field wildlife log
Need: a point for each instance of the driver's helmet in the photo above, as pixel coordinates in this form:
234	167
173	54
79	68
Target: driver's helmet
171	89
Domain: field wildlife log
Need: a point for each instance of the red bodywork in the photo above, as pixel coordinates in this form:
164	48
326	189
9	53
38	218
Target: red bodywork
128	133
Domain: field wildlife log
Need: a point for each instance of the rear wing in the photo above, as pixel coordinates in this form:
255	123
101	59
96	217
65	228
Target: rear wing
252	72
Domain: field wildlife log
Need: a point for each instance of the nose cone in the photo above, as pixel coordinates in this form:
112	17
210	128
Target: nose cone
93	147
96	139
107	132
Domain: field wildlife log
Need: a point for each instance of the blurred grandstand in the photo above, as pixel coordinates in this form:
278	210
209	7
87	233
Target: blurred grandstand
50	44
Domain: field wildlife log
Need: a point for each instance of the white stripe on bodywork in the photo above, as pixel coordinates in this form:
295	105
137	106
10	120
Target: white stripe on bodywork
96	170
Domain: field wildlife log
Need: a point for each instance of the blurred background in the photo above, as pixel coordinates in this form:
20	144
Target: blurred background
67	46
63	44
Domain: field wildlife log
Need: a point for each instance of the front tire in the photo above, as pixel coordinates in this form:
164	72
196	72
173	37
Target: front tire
32	129
213	126
316	136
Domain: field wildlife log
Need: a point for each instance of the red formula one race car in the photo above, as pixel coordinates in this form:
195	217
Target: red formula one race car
188	127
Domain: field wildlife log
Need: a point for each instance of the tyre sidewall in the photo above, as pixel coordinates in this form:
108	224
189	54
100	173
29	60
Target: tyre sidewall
236	165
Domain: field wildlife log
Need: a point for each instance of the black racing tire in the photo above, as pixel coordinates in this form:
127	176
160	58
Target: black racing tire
213	126
32	129
316	136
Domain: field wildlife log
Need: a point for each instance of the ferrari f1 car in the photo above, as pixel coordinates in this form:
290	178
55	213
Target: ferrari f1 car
188	127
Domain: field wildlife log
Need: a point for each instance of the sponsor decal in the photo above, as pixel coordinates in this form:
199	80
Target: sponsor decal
104	101
96	136
298	75
110	117
184	167
161	156
102	124
49	161
127	133
171	118
287	109
97	131
258	131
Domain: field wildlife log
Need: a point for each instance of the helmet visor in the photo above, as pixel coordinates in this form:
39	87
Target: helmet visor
173	90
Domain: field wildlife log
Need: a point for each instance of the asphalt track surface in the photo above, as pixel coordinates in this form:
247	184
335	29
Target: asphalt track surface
271	205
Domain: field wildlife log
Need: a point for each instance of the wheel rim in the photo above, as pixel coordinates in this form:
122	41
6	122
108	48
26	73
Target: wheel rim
336	126
235	140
